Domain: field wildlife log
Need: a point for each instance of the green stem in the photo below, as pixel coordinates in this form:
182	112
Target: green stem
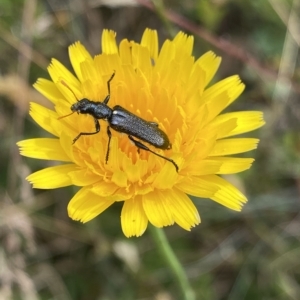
168	254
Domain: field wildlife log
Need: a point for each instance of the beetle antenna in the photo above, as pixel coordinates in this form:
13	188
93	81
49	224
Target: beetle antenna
108	82
63	83
61	117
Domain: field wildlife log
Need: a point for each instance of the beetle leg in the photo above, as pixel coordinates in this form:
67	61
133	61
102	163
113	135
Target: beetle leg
105	101
108	144
97	128
139	145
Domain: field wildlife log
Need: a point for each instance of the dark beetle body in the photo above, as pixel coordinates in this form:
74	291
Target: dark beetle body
122	120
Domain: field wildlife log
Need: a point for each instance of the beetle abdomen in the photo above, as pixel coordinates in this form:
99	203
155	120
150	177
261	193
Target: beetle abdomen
124	121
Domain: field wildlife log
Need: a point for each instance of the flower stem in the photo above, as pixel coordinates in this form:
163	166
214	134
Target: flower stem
169	256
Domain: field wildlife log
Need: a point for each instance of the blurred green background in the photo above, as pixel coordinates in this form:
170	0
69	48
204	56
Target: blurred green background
250	255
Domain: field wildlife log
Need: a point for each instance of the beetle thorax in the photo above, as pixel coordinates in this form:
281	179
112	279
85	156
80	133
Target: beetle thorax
98	110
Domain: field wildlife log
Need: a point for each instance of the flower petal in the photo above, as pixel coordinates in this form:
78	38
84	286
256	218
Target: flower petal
203	167
108	42
210	63
78	54
48	89
197	186
245	121
157	210
226	194
105	189
43	148
52	177
231	85
125	52
110	190
133	218
45	117
141	60
221	94
83	177
166	178
165	208
86	205
183	210
183	43
57	71
214	107
194	90
231	165
233	146
166	55
150	41
236	123
219	127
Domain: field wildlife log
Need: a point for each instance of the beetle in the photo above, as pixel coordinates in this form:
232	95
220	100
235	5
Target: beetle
122	120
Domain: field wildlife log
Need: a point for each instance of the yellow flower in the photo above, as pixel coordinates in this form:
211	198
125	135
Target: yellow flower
166	86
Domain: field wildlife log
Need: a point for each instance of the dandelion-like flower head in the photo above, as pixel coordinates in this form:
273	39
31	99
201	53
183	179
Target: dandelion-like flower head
168	87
